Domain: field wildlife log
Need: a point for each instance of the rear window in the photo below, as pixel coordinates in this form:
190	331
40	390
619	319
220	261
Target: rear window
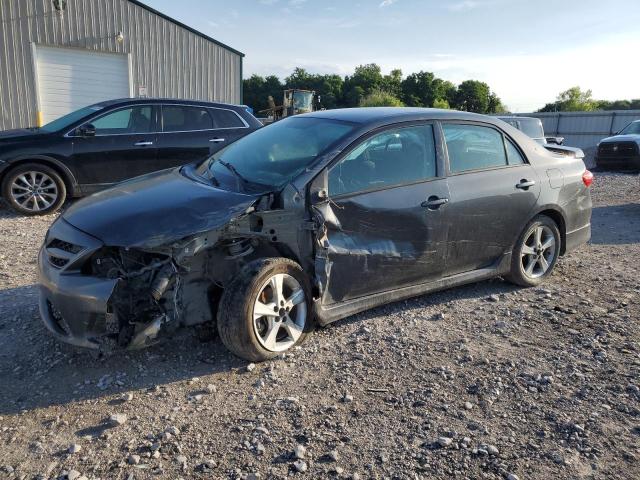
176	118
225	119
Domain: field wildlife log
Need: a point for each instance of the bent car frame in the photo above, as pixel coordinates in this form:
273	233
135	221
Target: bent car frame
311	219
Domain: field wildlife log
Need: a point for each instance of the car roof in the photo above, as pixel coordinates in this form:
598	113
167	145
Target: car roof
395	114
175	101
516	117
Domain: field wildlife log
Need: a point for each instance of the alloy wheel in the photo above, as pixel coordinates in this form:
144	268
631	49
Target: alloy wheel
34	191
279	313
538	251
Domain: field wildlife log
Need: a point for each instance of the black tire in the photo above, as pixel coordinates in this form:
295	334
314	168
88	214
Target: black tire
518	273
56	196
235	313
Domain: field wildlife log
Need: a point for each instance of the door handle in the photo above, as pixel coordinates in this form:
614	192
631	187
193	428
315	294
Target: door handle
434	203
217	140
525	184
142	144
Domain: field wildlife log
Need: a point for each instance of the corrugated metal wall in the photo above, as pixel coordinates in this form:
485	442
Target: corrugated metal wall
170	61
584	129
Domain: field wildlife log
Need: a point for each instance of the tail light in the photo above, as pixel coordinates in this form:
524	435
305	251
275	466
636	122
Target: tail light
587	178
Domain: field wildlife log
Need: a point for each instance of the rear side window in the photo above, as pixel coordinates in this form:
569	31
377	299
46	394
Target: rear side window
225	119
473	147
513	154
176	118
394	157
125	121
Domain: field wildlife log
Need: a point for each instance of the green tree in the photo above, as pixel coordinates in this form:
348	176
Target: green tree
331	91
446	91
327	87
299	78
364	80
256	91
367	85
495	104
380	98
419	89
572	100
618	104
392	83
473	96
441	103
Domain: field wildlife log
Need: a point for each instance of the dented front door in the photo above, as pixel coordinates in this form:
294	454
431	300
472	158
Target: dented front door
386	222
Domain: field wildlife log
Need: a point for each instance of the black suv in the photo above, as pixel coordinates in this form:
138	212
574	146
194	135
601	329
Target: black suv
102	144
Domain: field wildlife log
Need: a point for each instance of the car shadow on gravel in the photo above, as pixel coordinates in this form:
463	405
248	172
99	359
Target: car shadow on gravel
437	300
616	224
37	371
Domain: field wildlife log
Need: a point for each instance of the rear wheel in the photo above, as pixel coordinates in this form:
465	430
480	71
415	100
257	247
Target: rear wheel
34	189
535	253
266	310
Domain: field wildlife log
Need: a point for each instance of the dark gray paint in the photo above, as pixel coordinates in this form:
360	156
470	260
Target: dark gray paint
360	250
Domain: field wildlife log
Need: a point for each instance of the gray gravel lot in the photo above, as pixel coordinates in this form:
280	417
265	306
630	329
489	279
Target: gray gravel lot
483	381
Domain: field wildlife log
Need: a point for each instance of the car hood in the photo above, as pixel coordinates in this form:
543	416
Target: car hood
20	134
155	210
621	138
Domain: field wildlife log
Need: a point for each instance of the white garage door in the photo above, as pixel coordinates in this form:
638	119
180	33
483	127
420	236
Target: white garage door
69	79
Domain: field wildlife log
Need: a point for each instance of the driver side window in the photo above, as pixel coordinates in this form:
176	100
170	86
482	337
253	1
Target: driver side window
125	121
394	157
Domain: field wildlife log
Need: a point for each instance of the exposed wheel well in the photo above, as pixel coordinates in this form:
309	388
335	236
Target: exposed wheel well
66	178
559	220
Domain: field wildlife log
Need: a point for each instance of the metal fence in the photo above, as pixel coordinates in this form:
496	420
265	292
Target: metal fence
584	129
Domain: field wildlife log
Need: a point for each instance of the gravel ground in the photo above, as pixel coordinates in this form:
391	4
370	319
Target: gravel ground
484	381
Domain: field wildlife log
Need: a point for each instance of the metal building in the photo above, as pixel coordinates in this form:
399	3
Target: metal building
59	55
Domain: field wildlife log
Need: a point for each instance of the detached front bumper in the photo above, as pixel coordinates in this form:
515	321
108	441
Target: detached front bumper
73	306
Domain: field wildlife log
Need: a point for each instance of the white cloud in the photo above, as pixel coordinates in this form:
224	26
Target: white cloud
347	23
386	3
463	6
269	2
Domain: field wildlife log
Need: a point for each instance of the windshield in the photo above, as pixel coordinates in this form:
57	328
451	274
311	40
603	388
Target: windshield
272	156
632	129
303	101
71	118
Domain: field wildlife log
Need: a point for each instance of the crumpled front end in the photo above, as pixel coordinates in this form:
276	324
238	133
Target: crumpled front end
74	307
105	298
111	296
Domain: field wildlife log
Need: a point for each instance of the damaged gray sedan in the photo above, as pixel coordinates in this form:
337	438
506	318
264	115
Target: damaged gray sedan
311	219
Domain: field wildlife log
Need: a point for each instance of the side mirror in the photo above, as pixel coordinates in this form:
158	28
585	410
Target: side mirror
87	130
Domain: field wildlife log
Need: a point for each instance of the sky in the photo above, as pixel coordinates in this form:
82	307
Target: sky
528	51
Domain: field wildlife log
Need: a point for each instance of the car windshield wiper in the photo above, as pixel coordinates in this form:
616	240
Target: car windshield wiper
233	170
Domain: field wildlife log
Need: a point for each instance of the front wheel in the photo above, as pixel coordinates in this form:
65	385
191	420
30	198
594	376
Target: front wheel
34	189
266	310
535	253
